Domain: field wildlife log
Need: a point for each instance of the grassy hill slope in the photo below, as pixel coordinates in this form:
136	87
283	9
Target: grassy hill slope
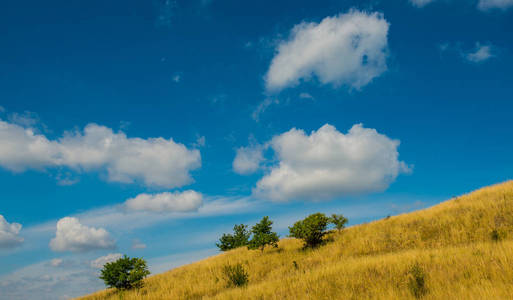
463	247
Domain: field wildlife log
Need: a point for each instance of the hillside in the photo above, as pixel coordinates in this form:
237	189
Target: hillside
464	246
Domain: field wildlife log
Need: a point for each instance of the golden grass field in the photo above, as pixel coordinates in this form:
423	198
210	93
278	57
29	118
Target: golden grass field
451	242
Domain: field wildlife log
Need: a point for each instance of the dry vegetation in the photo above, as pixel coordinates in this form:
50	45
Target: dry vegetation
464	248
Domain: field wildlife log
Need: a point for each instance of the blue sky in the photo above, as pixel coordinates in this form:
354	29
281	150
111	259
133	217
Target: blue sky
151	127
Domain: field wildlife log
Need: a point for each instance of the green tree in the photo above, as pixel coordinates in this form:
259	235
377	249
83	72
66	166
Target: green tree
125	273
263	235
239	238
339	221
311	230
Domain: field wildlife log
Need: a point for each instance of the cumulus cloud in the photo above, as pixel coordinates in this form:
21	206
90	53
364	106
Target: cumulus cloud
248	159
328	164
348	49
166	202
101	261
154	162
481	53
9	234
75	237
420	3
486	5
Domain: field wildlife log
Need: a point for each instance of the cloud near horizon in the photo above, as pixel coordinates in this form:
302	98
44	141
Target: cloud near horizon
327	164
348	49
101	261
75	237
187	201
155	162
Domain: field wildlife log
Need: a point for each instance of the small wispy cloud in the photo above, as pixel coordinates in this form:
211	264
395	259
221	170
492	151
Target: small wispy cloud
306	96
480	53
486	5
261	107
420	3
177	77
166	10
137	244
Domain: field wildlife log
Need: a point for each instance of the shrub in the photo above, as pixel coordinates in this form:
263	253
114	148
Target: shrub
311	230
339	221
417	281
125	273
239	238
263	235
236	275
498	235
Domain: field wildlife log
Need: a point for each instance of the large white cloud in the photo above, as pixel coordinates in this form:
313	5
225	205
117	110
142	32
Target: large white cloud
328	164
154	162
494	4
248	159
9	234
348	49
101	261
75	237
186	201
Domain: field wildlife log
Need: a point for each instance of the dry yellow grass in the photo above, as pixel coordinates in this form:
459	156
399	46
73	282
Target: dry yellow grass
451	242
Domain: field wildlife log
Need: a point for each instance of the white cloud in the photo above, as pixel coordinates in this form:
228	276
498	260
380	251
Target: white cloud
305	96
137	244
261	107
348	49
25	119
166	202
200	141
420	3
177	78
248	159
480	54
9	234
166	12
56	262
486	5
154	162
101	261
75	237
328	164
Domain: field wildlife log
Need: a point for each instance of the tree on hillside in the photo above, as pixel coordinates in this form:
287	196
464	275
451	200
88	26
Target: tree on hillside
125	273
339	221
311	229
263	235
239	238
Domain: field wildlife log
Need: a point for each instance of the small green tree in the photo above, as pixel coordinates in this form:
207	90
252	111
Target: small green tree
125	273
236	275
339	221
239	238
311	230
263	235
